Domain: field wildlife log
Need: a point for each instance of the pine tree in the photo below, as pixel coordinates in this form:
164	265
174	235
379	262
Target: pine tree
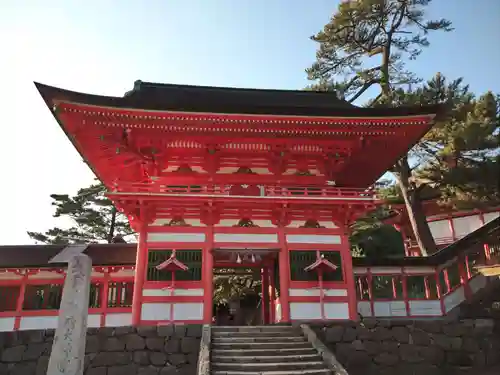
95	219
364	45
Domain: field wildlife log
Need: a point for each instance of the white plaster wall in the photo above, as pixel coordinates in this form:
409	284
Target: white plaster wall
7	324
425	308
490	216
94	320
38	322
119	320
389	308
305	310
454	299
176	237
477	282
168	292
465	225
336	310
440	229
246	238
311	238
155	311
316	292
364	308
188	311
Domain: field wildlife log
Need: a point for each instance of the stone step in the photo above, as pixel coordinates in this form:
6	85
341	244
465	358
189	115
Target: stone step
255	333
262	345
271	366
265	358
259	351
269	328
261	339
287	372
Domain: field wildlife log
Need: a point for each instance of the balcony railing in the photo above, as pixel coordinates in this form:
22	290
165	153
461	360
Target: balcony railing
247	191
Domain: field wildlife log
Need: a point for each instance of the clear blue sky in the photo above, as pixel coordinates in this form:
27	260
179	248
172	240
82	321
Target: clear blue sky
103	46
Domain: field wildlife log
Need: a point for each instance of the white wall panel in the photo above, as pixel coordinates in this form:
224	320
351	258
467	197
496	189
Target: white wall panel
311	238
465	225
176	237
118	320
188	311
425	308
246	238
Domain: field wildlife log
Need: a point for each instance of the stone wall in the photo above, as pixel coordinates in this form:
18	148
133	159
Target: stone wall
426	347
163	350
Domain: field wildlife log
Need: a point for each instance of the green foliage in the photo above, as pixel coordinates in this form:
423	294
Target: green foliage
361	30
231	284
372	238
94	217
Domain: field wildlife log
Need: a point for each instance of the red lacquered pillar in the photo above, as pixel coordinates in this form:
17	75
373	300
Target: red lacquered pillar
141	262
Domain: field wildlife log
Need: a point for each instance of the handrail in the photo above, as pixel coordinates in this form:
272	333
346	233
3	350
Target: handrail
250	190
203	366
463	246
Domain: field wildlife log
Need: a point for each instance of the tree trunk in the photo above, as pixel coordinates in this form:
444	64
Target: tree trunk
111	233
415	209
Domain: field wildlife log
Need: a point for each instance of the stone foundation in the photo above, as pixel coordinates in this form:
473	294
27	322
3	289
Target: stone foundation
427	347
161	350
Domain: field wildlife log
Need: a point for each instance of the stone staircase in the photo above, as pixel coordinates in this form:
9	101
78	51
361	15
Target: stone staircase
264	350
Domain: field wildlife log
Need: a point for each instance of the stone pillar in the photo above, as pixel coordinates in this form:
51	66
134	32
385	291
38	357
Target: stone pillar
68	349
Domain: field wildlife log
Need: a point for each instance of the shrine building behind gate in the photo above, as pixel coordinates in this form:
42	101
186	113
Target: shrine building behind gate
220	178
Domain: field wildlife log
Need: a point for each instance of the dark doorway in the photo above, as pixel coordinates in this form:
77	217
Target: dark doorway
237	296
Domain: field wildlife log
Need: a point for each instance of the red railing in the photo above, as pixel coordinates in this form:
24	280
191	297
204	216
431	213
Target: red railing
247	190
449	276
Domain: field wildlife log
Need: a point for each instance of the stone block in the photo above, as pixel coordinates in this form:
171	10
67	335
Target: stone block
431	354
130	369
23	368
41	365
387	359
431	326
34	351
113	344
150	370
158	358
484	326
382	334
190	345
172	345
155	343
97	371
92	344
141	357
194	330
176	359
401	334
180	330
349	334
13	354
165	331
147	331
334	334
134	342
111	359
419	337
455	330
172	370
122	331
409	353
